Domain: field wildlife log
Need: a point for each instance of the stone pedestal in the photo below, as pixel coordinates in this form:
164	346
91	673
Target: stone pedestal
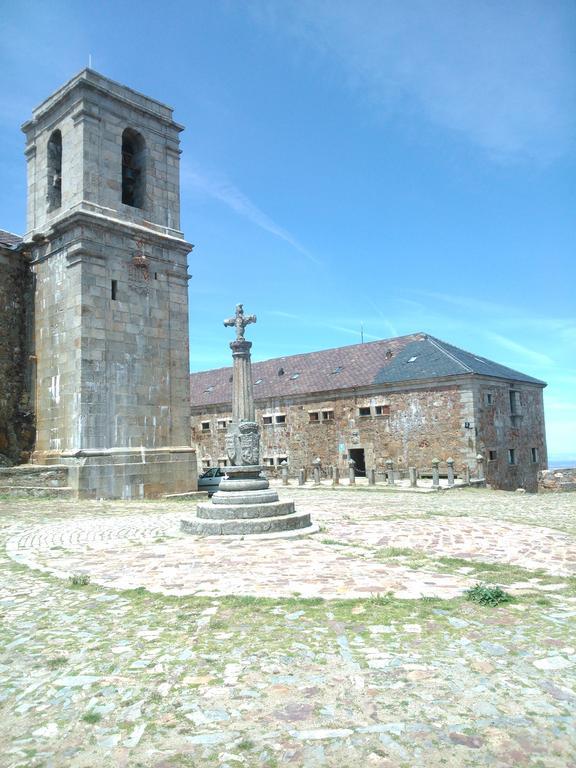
246	505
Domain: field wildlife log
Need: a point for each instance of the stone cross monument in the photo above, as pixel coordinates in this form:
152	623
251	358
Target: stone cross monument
243	437
245	504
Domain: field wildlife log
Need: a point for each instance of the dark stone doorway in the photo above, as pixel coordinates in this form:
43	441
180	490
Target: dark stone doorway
358	455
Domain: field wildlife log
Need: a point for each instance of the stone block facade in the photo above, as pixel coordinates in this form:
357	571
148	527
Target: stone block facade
511	433
410	427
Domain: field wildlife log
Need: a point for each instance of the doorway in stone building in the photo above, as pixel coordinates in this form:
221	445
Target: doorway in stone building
358	455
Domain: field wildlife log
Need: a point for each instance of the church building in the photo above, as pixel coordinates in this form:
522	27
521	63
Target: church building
95	297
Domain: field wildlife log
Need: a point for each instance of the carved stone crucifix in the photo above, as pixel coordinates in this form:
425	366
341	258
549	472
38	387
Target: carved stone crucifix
240	321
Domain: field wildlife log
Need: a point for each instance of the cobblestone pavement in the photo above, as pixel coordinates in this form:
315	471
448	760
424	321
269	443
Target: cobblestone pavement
201	652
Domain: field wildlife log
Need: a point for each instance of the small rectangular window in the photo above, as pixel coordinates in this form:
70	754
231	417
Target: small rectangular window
314	416
511	456
268	461
534	452
206	463
222	423
222	462
114	290
281	459
280	418
514	402
488	398
267	419
364	411
492	455
327	415
382	410
205	426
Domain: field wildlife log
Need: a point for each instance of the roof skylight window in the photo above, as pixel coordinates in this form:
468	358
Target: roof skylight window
210	388
411	360
294	375
258	381
337	369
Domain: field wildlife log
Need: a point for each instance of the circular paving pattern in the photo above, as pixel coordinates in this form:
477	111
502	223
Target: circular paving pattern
344	560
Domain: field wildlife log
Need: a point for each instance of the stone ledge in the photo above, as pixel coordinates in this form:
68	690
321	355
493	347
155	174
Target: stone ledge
222	527
272	510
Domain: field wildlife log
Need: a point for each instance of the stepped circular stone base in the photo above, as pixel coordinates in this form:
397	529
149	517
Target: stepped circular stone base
258	484
244	511
231	498
279	523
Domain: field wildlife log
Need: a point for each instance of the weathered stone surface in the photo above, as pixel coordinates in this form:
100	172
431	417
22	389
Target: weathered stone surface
238	526
111	292
245	511
247	496
422	422
16	420
557	480
244	504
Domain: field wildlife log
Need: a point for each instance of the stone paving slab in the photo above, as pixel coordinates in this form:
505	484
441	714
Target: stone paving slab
95	677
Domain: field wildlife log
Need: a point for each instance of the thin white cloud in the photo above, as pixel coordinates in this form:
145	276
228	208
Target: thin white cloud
500	74
279	313
519	349
220	188
315	323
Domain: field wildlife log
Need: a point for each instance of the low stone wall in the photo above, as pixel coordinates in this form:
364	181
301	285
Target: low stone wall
34	476
556	480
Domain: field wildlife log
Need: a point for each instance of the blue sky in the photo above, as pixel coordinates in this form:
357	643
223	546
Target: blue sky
405	166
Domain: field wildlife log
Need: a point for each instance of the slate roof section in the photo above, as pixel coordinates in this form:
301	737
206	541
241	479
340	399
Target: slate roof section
402	359
9	239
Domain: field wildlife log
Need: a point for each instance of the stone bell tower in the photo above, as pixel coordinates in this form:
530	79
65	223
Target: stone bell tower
111	301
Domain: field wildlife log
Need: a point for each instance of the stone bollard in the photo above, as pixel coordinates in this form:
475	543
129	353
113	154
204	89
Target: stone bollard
413	477
450	463
435	473
317	463
284	466
390	471
371	477
480	466
335	476
466	474
352	471
301	477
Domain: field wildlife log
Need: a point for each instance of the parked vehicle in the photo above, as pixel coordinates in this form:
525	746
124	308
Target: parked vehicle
210	480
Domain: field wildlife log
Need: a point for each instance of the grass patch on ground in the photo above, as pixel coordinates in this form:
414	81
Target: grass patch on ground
57	662
487	594
91	717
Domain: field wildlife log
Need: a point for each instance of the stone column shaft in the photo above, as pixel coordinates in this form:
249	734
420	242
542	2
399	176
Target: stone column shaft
242	394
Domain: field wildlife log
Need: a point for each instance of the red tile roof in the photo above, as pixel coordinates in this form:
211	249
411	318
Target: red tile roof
340	368
7	238
415	357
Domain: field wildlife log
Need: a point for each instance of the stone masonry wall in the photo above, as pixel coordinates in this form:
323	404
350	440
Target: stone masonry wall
16	420
91	112
556	480
111	340
501	431
421	425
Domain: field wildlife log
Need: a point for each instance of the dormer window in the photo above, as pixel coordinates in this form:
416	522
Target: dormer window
54	191
133	168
